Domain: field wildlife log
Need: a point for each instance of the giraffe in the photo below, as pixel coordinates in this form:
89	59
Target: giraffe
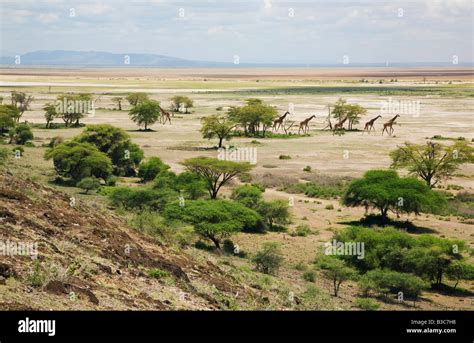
370	124
304	124
388	126
339	125
165	116
277	123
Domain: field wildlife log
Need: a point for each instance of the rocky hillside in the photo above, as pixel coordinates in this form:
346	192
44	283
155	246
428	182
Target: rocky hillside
91	259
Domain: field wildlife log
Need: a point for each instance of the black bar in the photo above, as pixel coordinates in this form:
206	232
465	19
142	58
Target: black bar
243	323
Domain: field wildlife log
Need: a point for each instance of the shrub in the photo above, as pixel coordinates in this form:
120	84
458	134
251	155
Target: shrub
336	270
140	198
309	276
148	170
367	304
157	273
37	276
269	259
248	195
4	155
116	144
55	141
111	181
215	219
79	160
329	207
307	169
20	134
284	157
274	212
386	281
385	190
302	230
88	184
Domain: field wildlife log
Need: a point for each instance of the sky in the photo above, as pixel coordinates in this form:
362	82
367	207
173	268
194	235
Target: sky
257	31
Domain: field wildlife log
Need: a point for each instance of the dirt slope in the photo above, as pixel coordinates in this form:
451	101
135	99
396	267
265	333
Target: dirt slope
91	259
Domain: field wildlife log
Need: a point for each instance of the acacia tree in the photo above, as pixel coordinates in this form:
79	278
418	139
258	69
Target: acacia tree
254	118
8	115
49	114
118	101
336	270
146	113
21	101
386	191
181	101
217	126
354	112
432	161
79	160
216	172
136	98
116	144
214	220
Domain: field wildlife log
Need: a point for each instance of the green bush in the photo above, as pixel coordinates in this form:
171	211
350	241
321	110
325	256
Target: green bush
37	276
284	157
248	195
302	230
158	273
140	198
79	160
386	281
424	255
309	276
215	219
4	155
367	304
111	181
269	259
88	184
148	170
20	134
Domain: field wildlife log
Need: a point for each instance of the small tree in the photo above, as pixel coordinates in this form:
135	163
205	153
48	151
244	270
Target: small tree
215	126
79	160
148	170
21	101
274	212
187	104
20	134
269	259
336	270
88	183
116	144
118	101
176	102
248	195
8	115
146	113
216	172
432	161
354	112
49	114
386	191
214	220
137	98
460	270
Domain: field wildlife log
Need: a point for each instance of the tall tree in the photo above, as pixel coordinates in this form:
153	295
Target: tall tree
217	126
216	172
146	113
432	161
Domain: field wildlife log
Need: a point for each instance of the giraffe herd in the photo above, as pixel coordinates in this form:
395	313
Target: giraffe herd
369	125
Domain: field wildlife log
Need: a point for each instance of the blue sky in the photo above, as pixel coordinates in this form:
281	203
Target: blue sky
268	31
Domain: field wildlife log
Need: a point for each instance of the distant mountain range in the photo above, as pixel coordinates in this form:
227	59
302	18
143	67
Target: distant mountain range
108	59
